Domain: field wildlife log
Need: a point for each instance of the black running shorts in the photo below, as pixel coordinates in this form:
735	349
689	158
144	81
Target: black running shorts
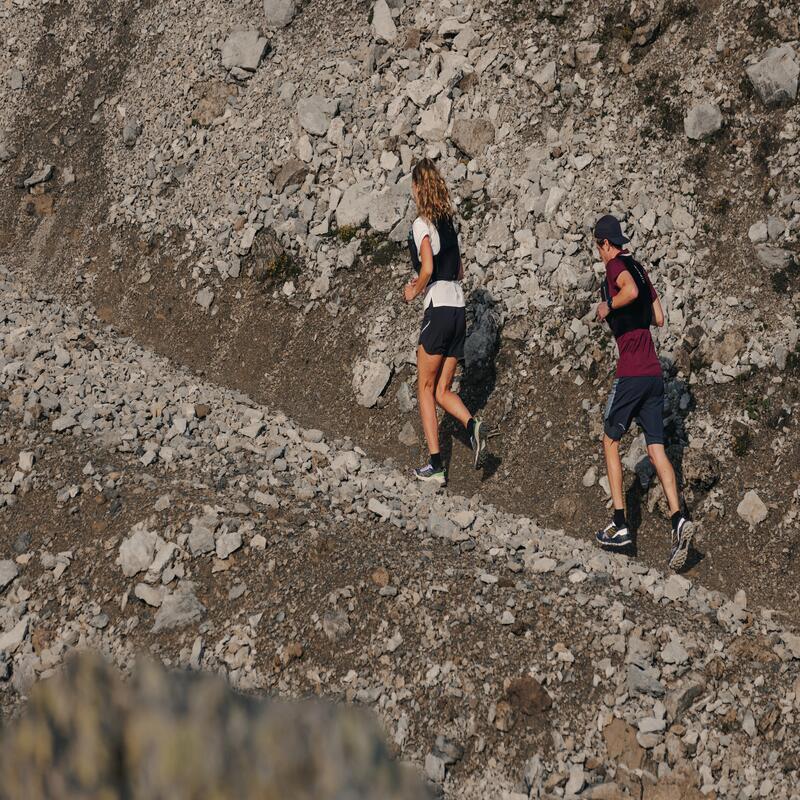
444	329
636	398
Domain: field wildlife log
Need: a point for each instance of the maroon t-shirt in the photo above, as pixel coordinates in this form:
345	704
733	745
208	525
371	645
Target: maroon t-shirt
637	353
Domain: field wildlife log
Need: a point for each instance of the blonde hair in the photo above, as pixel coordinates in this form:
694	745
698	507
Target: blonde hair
433	199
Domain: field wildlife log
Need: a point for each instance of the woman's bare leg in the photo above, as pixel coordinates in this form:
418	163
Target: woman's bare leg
446	397
428	367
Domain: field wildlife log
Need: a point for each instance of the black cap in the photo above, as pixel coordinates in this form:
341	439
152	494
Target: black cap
608	227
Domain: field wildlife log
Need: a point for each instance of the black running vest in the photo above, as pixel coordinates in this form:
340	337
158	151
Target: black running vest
447	261
639	313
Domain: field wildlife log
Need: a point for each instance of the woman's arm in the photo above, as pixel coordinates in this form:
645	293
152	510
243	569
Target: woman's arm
417	286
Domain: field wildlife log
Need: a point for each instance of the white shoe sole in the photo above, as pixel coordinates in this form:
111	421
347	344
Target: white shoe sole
682	553
480	450
432	479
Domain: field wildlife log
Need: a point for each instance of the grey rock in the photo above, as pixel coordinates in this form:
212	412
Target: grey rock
481	342
151	595
443	528
136	552
14	637
674	653
775	76
201	537
179	609
335	625
679	700
369	381
773	258
204	298
279	13
315	114
644	681
388	207
354	207
293	172
434	768
702	120
243	49
752	509
7	151
42	176
16	80
383	27
473	136
8	572
228	543
131	132
408	435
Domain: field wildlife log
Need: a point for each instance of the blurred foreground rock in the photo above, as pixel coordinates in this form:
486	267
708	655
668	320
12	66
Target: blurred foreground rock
86	733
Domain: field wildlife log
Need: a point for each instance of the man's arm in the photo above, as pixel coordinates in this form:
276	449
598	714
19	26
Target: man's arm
658	313
628	292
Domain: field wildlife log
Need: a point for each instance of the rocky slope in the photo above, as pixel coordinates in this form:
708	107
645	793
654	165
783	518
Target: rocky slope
230	189
503	658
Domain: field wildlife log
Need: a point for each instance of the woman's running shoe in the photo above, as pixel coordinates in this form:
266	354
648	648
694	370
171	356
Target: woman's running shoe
478	442
430	473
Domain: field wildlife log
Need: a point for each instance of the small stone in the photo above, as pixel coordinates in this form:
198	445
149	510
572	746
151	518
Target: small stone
148	594
8	572
204	298
26	460
136	552
702	120
243	49
752	509
179	609
335	625
505	718
775	76
279	13
315	114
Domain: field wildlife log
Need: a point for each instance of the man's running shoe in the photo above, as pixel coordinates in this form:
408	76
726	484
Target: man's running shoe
478	443
681	539
612	536
430	473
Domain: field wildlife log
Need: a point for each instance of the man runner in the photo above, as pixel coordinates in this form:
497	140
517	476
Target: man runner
630	306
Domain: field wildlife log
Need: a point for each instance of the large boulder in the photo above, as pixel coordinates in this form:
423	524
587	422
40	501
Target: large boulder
481	342
243	49
389	206
383	27
775	76
703	120
370	378
279	13
472	136
354	207
87	733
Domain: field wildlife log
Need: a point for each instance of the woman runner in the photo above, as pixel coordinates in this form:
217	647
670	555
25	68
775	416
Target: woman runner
433	244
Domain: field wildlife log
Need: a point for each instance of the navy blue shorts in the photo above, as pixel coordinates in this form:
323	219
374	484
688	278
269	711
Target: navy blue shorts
444	330
641	399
